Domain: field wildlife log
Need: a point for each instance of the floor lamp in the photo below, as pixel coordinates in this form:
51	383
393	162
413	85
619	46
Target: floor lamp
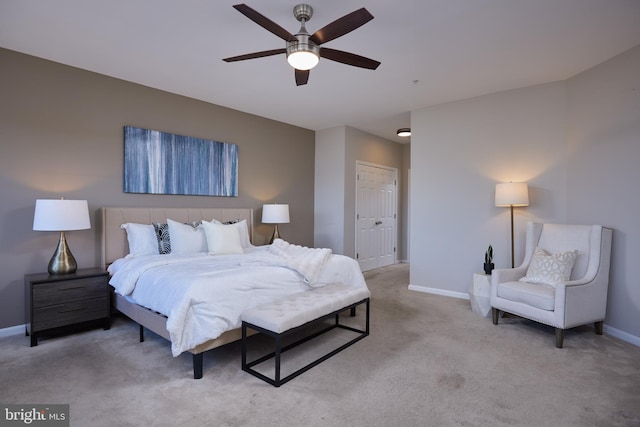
512	194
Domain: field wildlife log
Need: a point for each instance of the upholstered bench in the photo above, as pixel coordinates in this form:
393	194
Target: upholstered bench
289	315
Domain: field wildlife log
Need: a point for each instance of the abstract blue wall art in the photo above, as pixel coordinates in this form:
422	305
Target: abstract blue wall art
163	163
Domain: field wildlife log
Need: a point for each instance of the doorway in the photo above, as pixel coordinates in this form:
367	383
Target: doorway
376	215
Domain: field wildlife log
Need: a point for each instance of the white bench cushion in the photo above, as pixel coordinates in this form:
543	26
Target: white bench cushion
298	309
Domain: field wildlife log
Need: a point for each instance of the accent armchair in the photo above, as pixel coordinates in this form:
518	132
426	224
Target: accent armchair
563	280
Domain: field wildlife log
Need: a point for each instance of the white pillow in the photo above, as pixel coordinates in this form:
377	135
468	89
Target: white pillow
222	238
550	269
142	239
244	233
185	238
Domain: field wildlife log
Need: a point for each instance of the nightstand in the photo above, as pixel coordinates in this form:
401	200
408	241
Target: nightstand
53	301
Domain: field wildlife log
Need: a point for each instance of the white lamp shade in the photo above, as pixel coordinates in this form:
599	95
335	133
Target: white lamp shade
275	214
61	215
512	194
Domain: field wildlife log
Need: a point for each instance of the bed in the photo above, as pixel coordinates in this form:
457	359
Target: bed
115	256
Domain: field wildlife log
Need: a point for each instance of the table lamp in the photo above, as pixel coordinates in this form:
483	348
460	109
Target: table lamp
275	214
61	215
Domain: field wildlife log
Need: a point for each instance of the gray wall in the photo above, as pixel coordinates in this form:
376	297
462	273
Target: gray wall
329	189
604	155
61	133
405	179
459	151
337	151
575	142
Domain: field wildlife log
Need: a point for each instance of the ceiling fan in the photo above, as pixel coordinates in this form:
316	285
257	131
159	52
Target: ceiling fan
303	50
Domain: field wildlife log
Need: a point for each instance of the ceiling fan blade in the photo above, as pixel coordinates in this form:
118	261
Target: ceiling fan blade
302	77
264	22
255	55
342	26
348	58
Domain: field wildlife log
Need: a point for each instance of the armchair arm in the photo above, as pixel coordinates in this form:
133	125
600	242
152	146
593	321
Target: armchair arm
501	275
581	301
576	282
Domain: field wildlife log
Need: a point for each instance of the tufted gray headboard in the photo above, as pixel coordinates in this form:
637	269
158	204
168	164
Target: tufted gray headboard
114	239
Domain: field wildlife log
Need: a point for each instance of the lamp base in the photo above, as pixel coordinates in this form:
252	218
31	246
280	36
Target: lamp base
62	261
276	234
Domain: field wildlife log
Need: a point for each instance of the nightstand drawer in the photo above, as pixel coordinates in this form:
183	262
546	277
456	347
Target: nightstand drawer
69	313
54	293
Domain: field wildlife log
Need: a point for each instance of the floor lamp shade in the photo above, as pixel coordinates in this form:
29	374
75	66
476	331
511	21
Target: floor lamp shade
510	194
275	214
61	215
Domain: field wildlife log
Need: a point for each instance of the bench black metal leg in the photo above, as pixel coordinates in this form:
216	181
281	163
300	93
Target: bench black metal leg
244	347
367	316
277	381
277	358
141	333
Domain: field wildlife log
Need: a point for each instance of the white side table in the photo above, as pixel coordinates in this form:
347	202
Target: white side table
479	294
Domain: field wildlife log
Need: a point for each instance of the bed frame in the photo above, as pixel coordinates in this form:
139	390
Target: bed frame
114	246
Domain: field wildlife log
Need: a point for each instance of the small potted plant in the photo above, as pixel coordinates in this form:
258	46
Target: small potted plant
488	260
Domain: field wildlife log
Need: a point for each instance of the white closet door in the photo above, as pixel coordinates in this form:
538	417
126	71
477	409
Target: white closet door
376	216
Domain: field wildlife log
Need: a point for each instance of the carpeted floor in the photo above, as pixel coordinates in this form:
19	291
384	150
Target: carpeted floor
429	361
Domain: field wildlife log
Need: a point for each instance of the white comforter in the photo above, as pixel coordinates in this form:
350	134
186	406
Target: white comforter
204	296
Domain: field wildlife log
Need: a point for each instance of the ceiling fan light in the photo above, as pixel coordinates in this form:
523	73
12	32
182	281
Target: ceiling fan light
303	60
404	132
303	54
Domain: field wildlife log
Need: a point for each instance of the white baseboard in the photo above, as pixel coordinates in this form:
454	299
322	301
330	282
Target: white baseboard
624	336
13	330
436	291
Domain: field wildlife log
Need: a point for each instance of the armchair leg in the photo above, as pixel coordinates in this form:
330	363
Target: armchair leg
559	337
598	326
495	313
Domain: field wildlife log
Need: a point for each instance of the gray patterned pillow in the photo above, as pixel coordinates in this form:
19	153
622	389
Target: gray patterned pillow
164	239
162	234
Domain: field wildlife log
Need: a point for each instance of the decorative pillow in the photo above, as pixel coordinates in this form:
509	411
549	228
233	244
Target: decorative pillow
186	238
222	238
142	239
162	237
550	269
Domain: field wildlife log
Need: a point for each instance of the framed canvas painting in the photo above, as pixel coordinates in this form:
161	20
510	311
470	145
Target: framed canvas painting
163	163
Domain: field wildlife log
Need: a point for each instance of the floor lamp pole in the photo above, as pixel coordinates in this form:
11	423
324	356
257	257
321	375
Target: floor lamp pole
512	194
512	257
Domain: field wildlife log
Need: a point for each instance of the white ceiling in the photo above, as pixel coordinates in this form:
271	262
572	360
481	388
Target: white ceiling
432	51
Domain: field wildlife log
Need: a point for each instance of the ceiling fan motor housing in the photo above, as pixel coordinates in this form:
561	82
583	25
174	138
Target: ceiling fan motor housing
303	11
